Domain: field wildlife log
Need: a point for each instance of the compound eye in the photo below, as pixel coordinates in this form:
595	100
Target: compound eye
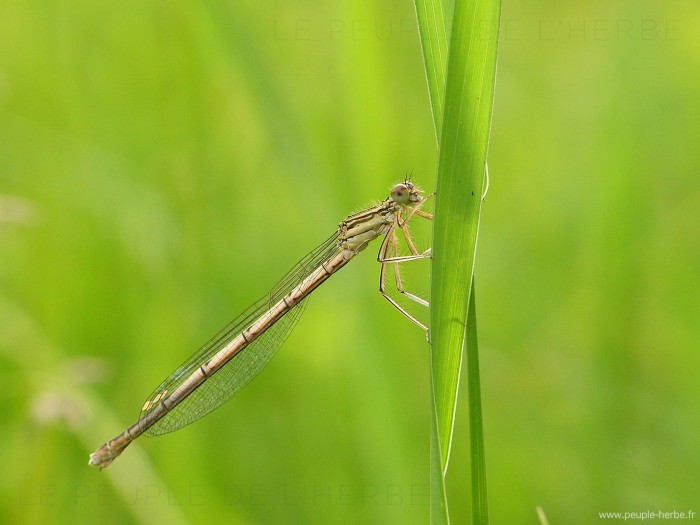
400	193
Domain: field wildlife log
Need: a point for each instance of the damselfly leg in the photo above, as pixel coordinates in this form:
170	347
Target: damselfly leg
388	255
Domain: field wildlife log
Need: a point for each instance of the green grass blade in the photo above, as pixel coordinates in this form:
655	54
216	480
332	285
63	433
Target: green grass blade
439	514
446	358
480	509
463	147
433	39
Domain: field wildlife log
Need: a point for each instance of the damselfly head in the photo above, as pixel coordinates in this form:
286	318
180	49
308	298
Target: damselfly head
405	193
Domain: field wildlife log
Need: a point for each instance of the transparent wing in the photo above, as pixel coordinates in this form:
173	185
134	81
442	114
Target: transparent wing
234	375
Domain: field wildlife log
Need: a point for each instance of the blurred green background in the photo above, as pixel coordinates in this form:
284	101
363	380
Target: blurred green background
162	164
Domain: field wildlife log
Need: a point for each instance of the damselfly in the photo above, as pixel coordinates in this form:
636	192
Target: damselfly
225	364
